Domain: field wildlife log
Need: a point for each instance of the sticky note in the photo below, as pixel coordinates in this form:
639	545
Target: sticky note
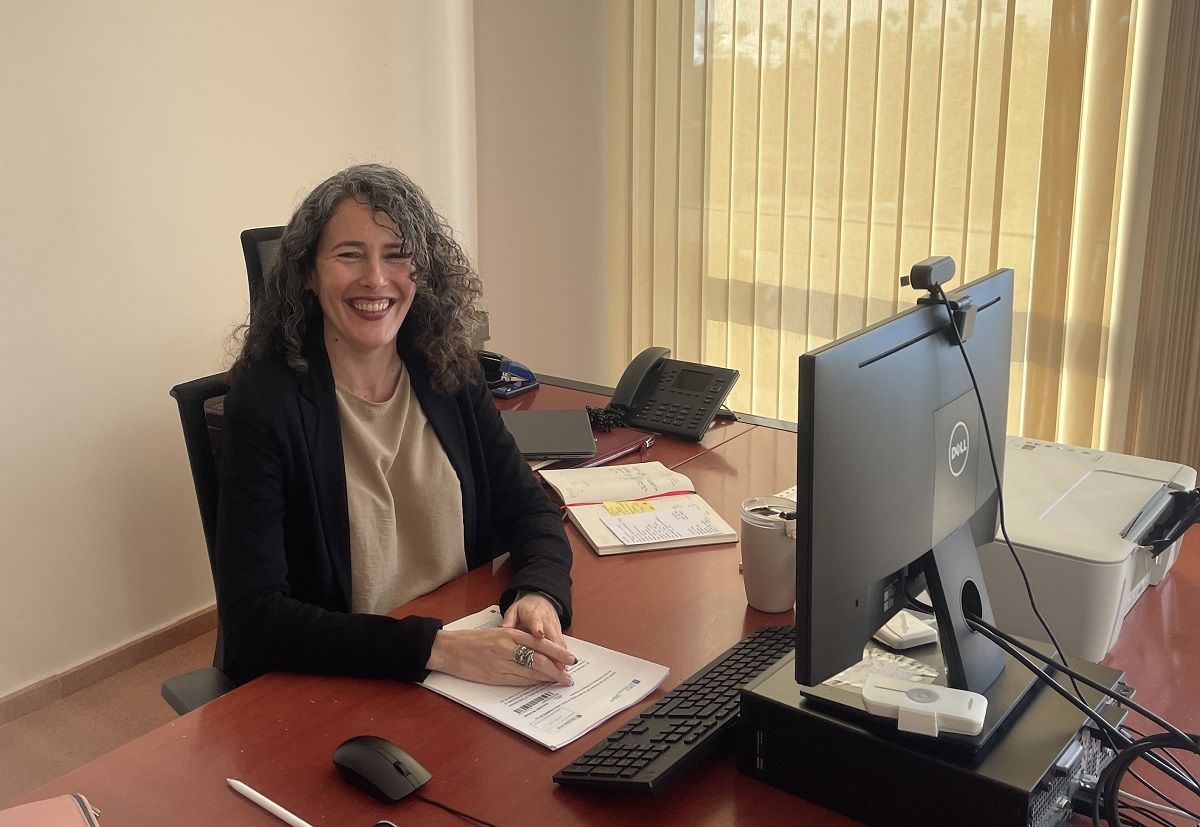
617	509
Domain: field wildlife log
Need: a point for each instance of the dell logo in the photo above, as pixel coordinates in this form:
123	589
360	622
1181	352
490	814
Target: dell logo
960	447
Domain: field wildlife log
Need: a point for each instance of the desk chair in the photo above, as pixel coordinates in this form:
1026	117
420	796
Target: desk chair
193	689
260	246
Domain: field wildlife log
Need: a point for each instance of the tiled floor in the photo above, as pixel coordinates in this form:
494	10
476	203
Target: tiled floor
45	744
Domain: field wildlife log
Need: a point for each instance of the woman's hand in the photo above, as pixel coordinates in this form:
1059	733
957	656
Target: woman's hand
533	613
489	656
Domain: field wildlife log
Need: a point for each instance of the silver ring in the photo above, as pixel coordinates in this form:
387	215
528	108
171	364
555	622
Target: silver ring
524	656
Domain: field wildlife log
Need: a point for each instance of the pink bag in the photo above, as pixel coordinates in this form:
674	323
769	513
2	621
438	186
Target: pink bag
64	811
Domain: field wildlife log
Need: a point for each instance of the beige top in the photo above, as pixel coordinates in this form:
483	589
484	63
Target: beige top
405	504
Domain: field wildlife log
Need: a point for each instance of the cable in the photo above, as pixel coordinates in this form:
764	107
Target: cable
1179	811
1109	784
453	811
912	601
605	419
996	638
1106	730
1099	687
1014	647
1142	811
1103	785
1162	795
1125	809
987	431
1175	761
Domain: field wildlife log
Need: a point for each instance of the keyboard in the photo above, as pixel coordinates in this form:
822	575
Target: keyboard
681	726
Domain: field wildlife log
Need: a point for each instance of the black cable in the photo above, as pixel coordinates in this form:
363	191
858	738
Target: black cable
1108	786
1105	731
914	602
987	431
995	636
1189	813
1128	730
1099	687
453	811
1079	704
1147	812
607	418
1014	646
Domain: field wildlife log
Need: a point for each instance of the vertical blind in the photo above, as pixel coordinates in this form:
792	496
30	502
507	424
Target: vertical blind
1163	414
785	162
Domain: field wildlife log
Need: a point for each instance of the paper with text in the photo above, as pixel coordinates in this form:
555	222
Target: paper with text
616	482
663	522
606	682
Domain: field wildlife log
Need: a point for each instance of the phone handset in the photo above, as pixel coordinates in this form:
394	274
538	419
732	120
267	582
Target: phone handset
638	373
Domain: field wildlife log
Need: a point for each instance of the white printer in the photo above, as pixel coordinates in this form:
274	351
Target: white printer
1074	516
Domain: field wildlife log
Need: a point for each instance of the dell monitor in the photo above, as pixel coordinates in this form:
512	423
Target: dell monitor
894	483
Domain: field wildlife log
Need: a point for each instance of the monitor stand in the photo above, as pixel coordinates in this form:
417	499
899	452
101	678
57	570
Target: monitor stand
1010	692
1031	759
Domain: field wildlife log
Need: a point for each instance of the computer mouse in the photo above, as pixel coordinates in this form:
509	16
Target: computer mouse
378	767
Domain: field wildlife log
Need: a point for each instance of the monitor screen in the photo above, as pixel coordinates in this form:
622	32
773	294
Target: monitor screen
894	481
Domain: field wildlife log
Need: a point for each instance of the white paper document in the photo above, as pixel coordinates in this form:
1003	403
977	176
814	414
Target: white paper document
677	522
606	682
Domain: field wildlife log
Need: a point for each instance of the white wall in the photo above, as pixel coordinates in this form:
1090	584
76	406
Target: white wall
540	118
137	139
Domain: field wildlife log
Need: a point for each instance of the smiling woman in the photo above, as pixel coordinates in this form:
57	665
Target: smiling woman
365	463
363	280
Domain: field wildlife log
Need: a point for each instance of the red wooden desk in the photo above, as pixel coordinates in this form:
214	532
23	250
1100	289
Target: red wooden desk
680	608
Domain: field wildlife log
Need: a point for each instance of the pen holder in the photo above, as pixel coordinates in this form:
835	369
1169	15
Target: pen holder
769	553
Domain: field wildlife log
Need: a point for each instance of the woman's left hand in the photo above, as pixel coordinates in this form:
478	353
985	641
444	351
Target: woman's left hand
534	614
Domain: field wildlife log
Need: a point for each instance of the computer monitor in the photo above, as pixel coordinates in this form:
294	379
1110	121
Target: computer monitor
894	481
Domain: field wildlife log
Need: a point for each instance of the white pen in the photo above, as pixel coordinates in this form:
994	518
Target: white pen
267	804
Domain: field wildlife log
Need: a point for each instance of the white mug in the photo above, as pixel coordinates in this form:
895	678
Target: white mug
769	553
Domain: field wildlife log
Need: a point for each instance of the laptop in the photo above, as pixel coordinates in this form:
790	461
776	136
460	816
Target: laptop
561	434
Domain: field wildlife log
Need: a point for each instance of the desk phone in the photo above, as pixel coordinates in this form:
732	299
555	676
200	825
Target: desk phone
671	396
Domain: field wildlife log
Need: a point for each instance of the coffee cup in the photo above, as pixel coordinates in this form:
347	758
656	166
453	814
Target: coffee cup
769	553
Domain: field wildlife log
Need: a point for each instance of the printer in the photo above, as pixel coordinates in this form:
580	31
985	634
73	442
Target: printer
1081	522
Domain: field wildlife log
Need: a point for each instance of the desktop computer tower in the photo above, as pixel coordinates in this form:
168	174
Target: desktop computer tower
1026	774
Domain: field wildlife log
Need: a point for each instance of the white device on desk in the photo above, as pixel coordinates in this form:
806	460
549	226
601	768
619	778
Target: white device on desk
906	630
1075	516
923	708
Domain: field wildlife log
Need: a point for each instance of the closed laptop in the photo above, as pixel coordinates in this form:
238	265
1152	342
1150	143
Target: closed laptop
560	434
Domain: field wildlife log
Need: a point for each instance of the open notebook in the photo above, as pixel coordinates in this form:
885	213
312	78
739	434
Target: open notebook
639	507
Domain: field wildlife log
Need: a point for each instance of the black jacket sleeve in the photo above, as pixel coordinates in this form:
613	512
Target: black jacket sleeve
528	525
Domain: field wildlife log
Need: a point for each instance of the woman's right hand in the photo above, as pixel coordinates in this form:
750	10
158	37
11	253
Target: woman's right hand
489	656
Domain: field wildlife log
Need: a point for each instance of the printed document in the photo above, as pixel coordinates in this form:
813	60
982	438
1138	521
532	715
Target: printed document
606	682
659	525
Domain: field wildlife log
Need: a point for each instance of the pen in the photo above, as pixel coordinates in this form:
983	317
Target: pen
267	804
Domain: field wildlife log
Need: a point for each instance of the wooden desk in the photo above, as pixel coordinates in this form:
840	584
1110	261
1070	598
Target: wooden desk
679	607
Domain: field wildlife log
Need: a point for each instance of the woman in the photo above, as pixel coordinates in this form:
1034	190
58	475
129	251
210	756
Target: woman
365	463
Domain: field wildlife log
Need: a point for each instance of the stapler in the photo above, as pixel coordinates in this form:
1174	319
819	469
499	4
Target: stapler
506	377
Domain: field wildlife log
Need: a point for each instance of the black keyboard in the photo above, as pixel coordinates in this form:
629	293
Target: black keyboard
681	726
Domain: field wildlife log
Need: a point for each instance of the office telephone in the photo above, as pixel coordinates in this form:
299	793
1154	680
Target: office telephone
670	396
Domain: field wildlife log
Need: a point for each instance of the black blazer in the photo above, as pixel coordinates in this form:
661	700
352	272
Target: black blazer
283	534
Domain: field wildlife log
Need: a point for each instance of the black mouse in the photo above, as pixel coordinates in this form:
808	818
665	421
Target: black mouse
378	767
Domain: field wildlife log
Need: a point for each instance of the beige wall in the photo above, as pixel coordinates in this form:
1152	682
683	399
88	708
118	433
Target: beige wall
540	104
137	139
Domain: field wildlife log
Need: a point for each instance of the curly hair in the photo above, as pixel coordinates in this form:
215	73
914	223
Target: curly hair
444	311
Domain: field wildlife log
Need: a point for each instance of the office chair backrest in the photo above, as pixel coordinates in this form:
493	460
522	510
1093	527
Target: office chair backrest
191	397
260	246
